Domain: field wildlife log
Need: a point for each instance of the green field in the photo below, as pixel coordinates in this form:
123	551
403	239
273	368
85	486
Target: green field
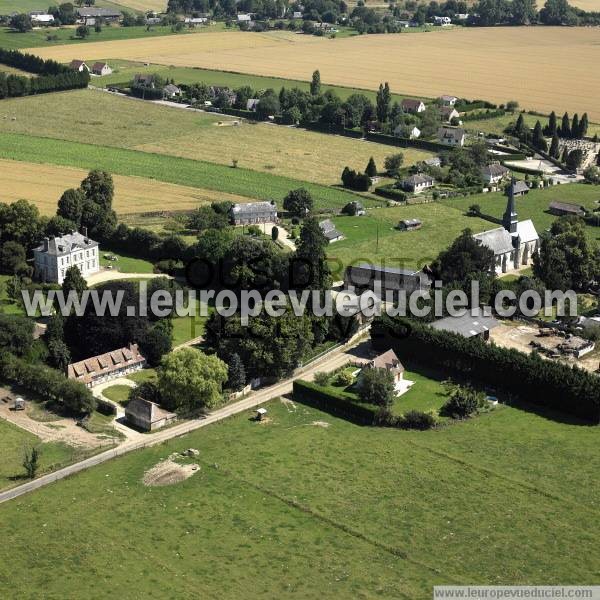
534	205
7	305
165	168
441	225
126	264
8	7
125	122
13	443
345	511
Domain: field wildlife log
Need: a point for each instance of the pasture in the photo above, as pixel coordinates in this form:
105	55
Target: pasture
9	6
44	184
359	512
116	121
519	63
374	238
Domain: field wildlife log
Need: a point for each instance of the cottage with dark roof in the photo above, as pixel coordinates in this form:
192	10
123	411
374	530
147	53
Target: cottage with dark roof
108	366
451	136
57	254
517	188
418	183
494	173
101	68
412	106
365	276
329	231
253	213
389	362
564	208
90	15
79	66
448	100
448	113
410	224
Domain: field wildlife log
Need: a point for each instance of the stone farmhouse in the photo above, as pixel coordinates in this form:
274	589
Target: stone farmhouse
513	244
57	254
108	366
253	213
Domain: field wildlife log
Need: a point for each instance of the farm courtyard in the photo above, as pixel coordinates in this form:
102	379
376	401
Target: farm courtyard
520	63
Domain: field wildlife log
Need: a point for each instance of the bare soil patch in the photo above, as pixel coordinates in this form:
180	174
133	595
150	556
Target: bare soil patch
168	472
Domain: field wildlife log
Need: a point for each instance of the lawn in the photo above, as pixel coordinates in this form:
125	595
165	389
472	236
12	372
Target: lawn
117	393
192	173
8	305
374	237
143	375
126	264
535	205
13	443
127	123
508	497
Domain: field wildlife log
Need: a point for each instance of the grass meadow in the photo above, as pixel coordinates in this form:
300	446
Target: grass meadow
11	6
290	509
410	63
263	147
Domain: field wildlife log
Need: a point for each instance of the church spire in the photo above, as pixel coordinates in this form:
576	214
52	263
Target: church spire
510	220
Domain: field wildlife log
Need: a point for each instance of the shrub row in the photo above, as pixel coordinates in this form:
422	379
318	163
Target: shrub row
338	404
391	192
31	63
48	383
393	140
489	114
466	105
546	383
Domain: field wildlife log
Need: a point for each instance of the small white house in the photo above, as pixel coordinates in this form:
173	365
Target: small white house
451	136
252	103
79	66
101	68
38	19
171	91
494	173
412	105
407	131
448	100
244	18
418	183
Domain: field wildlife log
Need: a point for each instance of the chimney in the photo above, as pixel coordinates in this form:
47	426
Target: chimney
46	240
85	232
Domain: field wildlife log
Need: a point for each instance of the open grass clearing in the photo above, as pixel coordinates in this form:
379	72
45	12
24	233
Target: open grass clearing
7	305
353	510
374	238
125	264
410	63
117	393
169	169
130	123
44	184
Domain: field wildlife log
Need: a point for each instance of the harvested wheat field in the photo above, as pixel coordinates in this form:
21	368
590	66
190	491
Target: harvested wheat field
44	184
143	5
544	68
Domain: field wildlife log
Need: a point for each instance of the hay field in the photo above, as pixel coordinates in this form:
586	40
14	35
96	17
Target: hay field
108	120
544	68
43	185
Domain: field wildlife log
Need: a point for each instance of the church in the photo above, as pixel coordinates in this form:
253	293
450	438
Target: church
513	244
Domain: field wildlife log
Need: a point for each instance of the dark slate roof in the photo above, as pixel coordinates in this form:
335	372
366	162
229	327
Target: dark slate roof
519	187
468	325
415	180
455	133
253	208
98	12
568	208
498	240
67	243
495	170
411	104
362	274
411	222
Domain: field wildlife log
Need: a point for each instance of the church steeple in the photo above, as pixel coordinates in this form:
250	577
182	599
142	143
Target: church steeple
510	220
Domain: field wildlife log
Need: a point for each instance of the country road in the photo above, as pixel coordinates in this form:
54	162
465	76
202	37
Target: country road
334	359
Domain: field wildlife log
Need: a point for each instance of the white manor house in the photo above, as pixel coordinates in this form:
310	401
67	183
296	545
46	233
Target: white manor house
57	254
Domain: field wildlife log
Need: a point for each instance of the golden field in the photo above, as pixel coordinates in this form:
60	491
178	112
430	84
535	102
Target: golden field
44	184
110	120
143	5
544	68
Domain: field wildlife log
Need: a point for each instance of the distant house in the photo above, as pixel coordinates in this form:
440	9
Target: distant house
474	323
79	66
402	130
101	68
410	224
434	161
354	208
244	18
563	208
171	91
413	106
90	15
108	366
519	188
144	80
297	14
494	173
146	415
448	100
253	213
41	19
442	21
329	231
448	113
195	21
365	276
451	136
252	103
389	362
418	183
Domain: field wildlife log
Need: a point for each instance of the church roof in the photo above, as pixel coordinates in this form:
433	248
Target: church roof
498	240
526	231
